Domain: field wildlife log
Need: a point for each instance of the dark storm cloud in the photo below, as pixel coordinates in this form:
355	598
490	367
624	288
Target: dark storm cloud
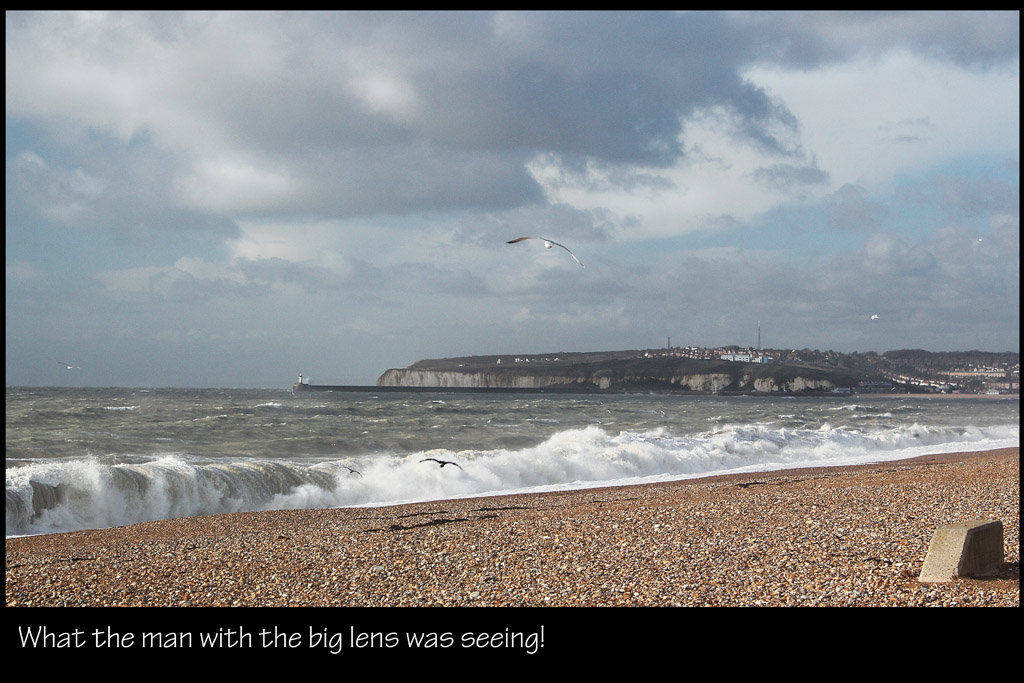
363	113
486	93
371	112
610	86
408	179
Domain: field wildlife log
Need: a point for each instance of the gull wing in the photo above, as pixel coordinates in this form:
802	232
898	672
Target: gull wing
548	243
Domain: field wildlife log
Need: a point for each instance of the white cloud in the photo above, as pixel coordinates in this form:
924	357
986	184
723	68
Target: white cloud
720	176
237	187
362	172
873	119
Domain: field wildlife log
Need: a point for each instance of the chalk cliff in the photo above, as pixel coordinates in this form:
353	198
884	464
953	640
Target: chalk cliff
614	371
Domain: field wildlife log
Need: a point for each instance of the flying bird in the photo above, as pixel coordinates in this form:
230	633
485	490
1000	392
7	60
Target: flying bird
69	366
874	317
356	472
442	463
548	243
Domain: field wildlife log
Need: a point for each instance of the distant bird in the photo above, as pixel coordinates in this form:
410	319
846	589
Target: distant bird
442	463
548	243
69	366
874	317
356	472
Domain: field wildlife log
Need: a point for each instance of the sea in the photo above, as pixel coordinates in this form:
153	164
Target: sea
86	458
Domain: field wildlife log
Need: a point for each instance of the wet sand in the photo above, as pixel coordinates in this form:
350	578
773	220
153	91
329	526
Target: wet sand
842	537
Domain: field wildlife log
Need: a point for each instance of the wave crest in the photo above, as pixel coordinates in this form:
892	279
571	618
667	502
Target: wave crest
86	493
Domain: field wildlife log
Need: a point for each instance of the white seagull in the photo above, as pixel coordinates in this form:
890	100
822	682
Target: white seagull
548	243
874	317
69	366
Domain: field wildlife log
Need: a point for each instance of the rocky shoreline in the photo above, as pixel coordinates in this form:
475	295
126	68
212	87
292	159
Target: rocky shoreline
841	537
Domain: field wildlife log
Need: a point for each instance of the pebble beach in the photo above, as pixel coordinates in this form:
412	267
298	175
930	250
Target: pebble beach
836	537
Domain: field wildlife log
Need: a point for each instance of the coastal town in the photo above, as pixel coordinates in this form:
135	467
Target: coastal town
913	370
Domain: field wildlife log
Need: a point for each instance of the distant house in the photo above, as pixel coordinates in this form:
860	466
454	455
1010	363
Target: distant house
743	358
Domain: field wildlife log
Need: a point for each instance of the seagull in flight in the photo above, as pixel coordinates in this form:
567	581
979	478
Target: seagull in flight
548	244
442	463
356	472
69	366
874	317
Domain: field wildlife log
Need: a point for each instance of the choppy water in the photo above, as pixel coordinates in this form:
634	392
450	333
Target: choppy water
90	458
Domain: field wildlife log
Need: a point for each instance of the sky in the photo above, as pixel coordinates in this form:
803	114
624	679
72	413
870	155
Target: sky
230	199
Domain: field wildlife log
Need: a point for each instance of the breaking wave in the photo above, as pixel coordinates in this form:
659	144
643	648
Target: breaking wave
83	493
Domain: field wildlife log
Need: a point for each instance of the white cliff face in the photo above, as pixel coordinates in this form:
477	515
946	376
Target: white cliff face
405	377
710	382
768	385
602	379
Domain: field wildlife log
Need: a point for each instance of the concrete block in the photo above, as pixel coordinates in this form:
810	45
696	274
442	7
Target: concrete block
972	549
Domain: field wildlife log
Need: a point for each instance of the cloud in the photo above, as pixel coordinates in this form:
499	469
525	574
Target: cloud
277	179
108	188
852	208
61	195
791	175
362	113
805	40
340	115
970	197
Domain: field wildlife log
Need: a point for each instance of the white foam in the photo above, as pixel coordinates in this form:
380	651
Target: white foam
85	493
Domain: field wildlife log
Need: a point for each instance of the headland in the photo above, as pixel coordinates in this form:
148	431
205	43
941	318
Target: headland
720	371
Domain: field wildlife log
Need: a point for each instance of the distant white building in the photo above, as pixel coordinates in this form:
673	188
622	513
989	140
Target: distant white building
743	358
